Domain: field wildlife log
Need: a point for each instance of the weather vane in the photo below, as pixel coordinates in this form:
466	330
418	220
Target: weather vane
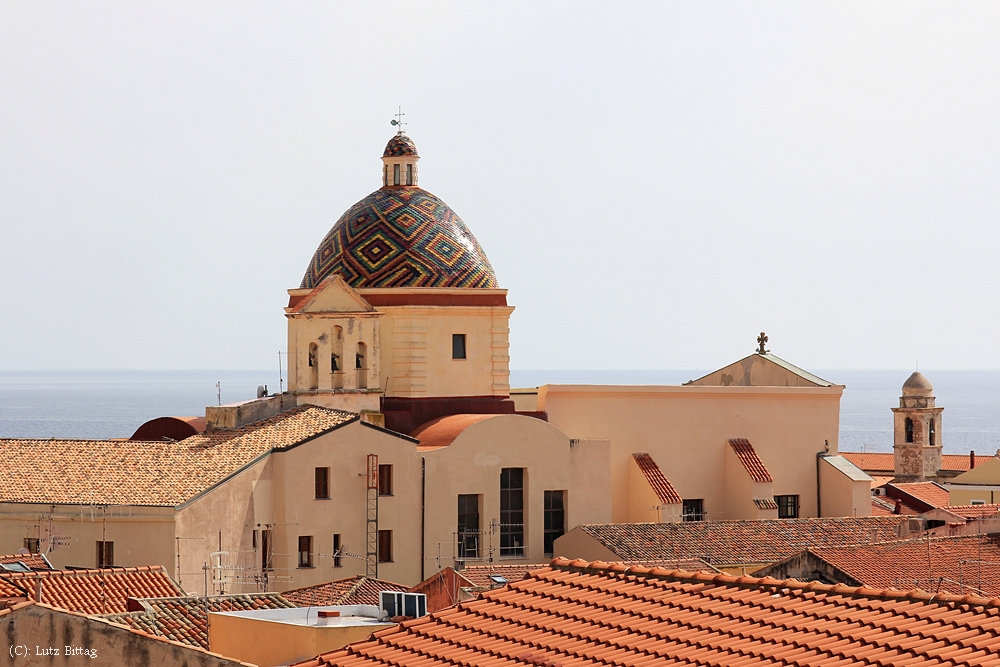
398	120
762	340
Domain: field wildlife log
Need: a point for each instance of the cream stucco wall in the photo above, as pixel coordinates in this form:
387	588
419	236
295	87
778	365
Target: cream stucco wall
298	513
38	627
417	350
842	495
686	430
472	465
265	642
142	535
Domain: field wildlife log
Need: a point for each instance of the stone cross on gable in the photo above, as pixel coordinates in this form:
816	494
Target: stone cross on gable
762	340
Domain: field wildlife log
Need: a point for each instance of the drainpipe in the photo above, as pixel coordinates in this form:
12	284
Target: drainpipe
819	497
423	494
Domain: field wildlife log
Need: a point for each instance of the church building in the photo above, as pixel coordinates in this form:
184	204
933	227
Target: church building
400	448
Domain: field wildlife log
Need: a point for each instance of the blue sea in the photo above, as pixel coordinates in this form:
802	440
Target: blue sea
113	404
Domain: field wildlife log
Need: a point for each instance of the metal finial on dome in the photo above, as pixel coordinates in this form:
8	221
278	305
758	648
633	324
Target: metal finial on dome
398	120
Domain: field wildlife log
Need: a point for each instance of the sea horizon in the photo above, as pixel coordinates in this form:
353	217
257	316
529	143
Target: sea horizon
96	404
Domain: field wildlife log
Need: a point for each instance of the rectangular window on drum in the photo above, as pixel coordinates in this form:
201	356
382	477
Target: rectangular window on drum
395	174
409	174
458	346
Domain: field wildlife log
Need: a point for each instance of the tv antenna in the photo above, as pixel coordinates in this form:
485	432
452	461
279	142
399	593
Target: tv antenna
398	120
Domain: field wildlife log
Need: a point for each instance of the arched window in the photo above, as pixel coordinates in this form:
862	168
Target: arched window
313	366
930	434
361	365
908	427
337	364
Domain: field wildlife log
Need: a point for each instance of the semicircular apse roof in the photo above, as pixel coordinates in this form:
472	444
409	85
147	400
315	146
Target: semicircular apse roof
401	237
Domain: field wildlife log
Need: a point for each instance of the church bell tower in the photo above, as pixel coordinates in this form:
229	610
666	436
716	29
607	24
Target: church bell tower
917	432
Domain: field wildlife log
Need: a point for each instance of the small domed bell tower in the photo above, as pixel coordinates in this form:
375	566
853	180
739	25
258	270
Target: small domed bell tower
917	432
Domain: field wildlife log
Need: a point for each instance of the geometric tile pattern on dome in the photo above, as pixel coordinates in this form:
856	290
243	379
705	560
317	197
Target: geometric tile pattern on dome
399	146
185	619
576	613
401	237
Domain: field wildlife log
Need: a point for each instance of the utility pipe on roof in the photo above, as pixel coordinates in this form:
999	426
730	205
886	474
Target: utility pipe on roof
819	497
423	493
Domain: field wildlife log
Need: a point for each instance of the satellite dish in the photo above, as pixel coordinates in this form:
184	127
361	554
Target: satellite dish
394	122
262	391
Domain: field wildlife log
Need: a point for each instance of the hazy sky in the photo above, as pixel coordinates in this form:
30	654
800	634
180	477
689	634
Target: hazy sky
654	183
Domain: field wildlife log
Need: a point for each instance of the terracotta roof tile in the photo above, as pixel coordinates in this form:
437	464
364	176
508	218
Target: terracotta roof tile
738	542
748	457
765	503
922	496
185	619
31	561
90	591
974	511
885	461
353	590
133	472
578	613
961	565
442	431
657	480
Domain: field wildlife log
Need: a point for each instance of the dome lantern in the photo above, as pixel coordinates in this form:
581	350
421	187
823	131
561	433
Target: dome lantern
399	162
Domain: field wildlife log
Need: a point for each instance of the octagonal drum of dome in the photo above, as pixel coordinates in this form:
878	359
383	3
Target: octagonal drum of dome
401	237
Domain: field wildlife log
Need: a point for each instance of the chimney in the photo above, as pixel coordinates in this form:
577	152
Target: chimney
972	459
899	507
38	589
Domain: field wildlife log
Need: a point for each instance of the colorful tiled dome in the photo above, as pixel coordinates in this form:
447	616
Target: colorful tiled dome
401	237
400	145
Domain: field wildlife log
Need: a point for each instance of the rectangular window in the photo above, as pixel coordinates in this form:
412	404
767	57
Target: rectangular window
458	346
322	483
255	543
32	544
468	525
788	507
409	174
105	554
385	479
694	510
266	550
305	551
337	562
395	174
512	512
555	518
385	546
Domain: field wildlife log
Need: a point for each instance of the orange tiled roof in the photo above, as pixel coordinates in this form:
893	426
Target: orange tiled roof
885	461
748	457
933	495
973	511
579	613
132	472
185	619
478	576
102	591
353	590
949	564
31	561
442	431
881	507
738	542
657	480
